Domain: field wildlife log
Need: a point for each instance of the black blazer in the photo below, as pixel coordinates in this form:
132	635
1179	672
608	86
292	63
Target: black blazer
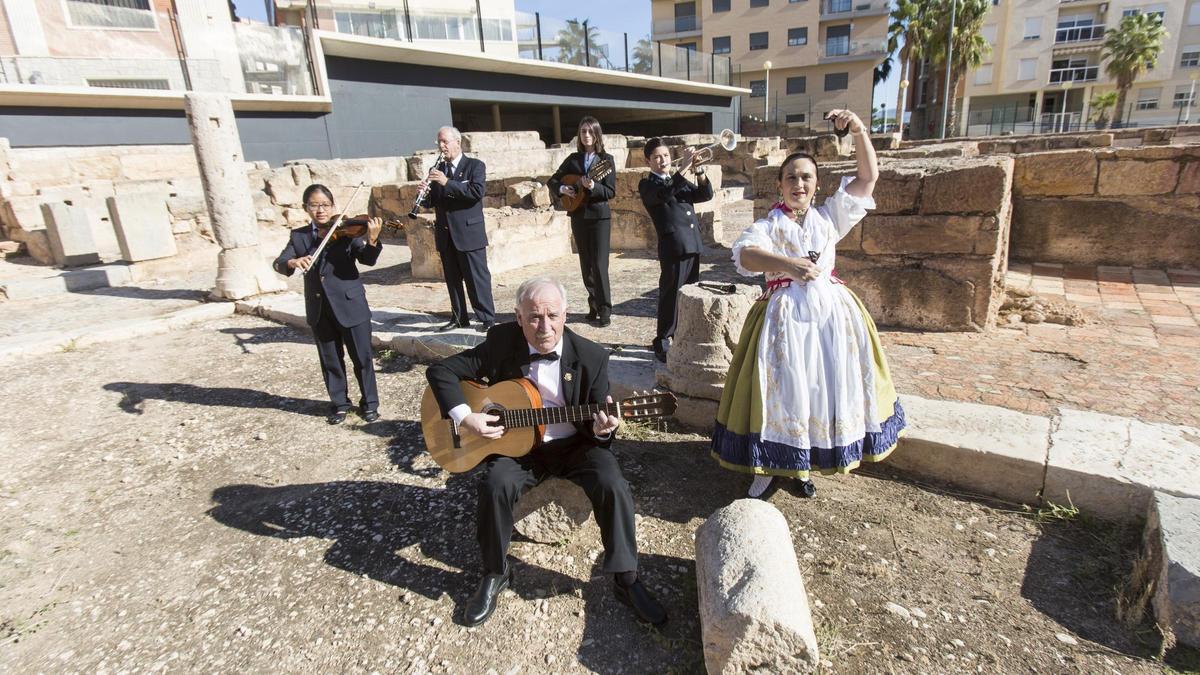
584	366
596	206
672	209
335	275
459	205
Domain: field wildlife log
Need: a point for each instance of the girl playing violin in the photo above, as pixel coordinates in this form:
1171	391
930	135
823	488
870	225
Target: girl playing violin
335	301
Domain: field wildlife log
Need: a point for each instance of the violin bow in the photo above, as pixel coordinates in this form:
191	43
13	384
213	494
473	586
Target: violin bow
333	224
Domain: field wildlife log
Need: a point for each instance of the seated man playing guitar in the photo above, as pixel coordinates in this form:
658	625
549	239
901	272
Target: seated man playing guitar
567	370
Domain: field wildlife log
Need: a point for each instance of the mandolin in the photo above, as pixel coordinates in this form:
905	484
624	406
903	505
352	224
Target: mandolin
519	407
600	169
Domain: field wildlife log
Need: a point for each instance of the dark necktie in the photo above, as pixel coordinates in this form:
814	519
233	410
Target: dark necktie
551	356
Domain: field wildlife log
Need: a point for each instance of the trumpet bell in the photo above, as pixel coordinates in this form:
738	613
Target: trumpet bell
727	139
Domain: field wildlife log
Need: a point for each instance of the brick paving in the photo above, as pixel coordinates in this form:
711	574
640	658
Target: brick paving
1138	355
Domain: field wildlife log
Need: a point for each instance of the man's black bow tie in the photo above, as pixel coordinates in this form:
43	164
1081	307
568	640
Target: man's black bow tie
552	356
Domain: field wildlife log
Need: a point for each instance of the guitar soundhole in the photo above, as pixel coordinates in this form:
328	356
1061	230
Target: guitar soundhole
498	411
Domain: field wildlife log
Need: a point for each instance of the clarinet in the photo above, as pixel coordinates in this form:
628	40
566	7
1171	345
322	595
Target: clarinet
425	190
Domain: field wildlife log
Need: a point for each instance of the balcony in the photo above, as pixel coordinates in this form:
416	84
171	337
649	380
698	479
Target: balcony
679	27
832	10
838	50
1078	34
1078	74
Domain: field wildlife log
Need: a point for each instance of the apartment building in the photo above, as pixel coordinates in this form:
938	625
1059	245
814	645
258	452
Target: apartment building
822	53
1045	67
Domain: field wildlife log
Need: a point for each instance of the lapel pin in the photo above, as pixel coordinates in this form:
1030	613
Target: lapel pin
567	377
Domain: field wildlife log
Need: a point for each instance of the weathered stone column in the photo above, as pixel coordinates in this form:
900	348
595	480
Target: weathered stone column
710	323
241	269
754	614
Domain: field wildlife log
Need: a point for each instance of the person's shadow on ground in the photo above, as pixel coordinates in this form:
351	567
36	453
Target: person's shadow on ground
133	394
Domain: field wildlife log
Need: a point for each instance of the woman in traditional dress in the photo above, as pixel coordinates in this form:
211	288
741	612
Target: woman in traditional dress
808	388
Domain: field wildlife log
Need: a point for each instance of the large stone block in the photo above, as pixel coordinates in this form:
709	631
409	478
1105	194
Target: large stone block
1056	173
915	294
143	226
979	185
516	238
503	141
283	189
898	189
1189	179
1133	177
342	176
1172	545
1159	231
70	234
551	511
754	614
968	235
159	165
710	323
1109	466
529	194
632	230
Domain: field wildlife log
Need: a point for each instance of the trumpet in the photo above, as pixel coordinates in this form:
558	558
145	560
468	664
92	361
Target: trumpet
425	188
726	139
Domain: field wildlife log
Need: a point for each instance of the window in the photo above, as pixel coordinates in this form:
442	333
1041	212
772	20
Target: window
381	24
685	17
758	41
759	3
1027	69
1193	17
721	45
794	118
797	37
989	34
1148	98
1189	57
720	6
1154	10
130	84
758	88
983	74
111	13
1183	97
837	40
1033	28
792	2
797	85
837	81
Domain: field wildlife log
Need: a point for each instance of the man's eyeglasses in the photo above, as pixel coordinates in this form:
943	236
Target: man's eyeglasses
319	207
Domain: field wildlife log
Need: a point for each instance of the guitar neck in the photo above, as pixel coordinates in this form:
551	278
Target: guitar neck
530	417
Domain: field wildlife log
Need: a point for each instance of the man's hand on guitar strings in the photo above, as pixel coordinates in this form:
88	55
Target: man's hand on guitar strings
481	424
604	424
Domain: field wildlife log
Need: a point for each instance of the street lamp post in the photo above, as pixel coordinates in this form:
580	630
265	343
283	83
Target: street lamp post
1187	112
767	92
900	110
1066	87
946	102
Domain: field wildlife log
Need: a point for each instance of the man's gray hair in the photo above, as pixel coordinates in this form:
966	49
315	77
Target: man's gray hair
454	132
529	287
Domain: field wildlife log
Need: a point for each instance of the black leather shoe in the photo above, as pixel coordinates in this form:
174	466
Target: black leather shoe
591	315
485	326
806	489
336	417
643	604
450	325
481	605
370	416
660	353
603	321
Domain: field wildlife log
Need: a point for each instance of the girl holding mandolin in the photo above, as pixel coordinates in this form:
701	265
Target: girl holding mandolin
583	184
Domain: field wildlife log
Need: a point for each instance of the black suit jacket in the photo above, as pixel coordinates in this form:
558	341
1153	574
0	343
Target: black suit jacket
334	276
596	206
584	367
459	204
672	209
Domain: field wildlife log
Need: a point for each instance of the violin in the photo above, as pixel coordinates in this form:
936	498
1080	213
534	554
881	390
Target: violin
352	228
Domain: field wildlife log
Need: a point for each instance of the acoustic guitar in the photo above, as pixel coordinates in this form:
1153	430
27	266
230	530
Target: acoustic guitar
519	407
600	169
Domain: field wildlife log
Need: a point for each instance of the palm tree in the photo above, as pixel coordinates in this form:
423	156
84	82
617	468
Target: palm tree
906	34
643	56
1100	105
970	47
1131	48
571	43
